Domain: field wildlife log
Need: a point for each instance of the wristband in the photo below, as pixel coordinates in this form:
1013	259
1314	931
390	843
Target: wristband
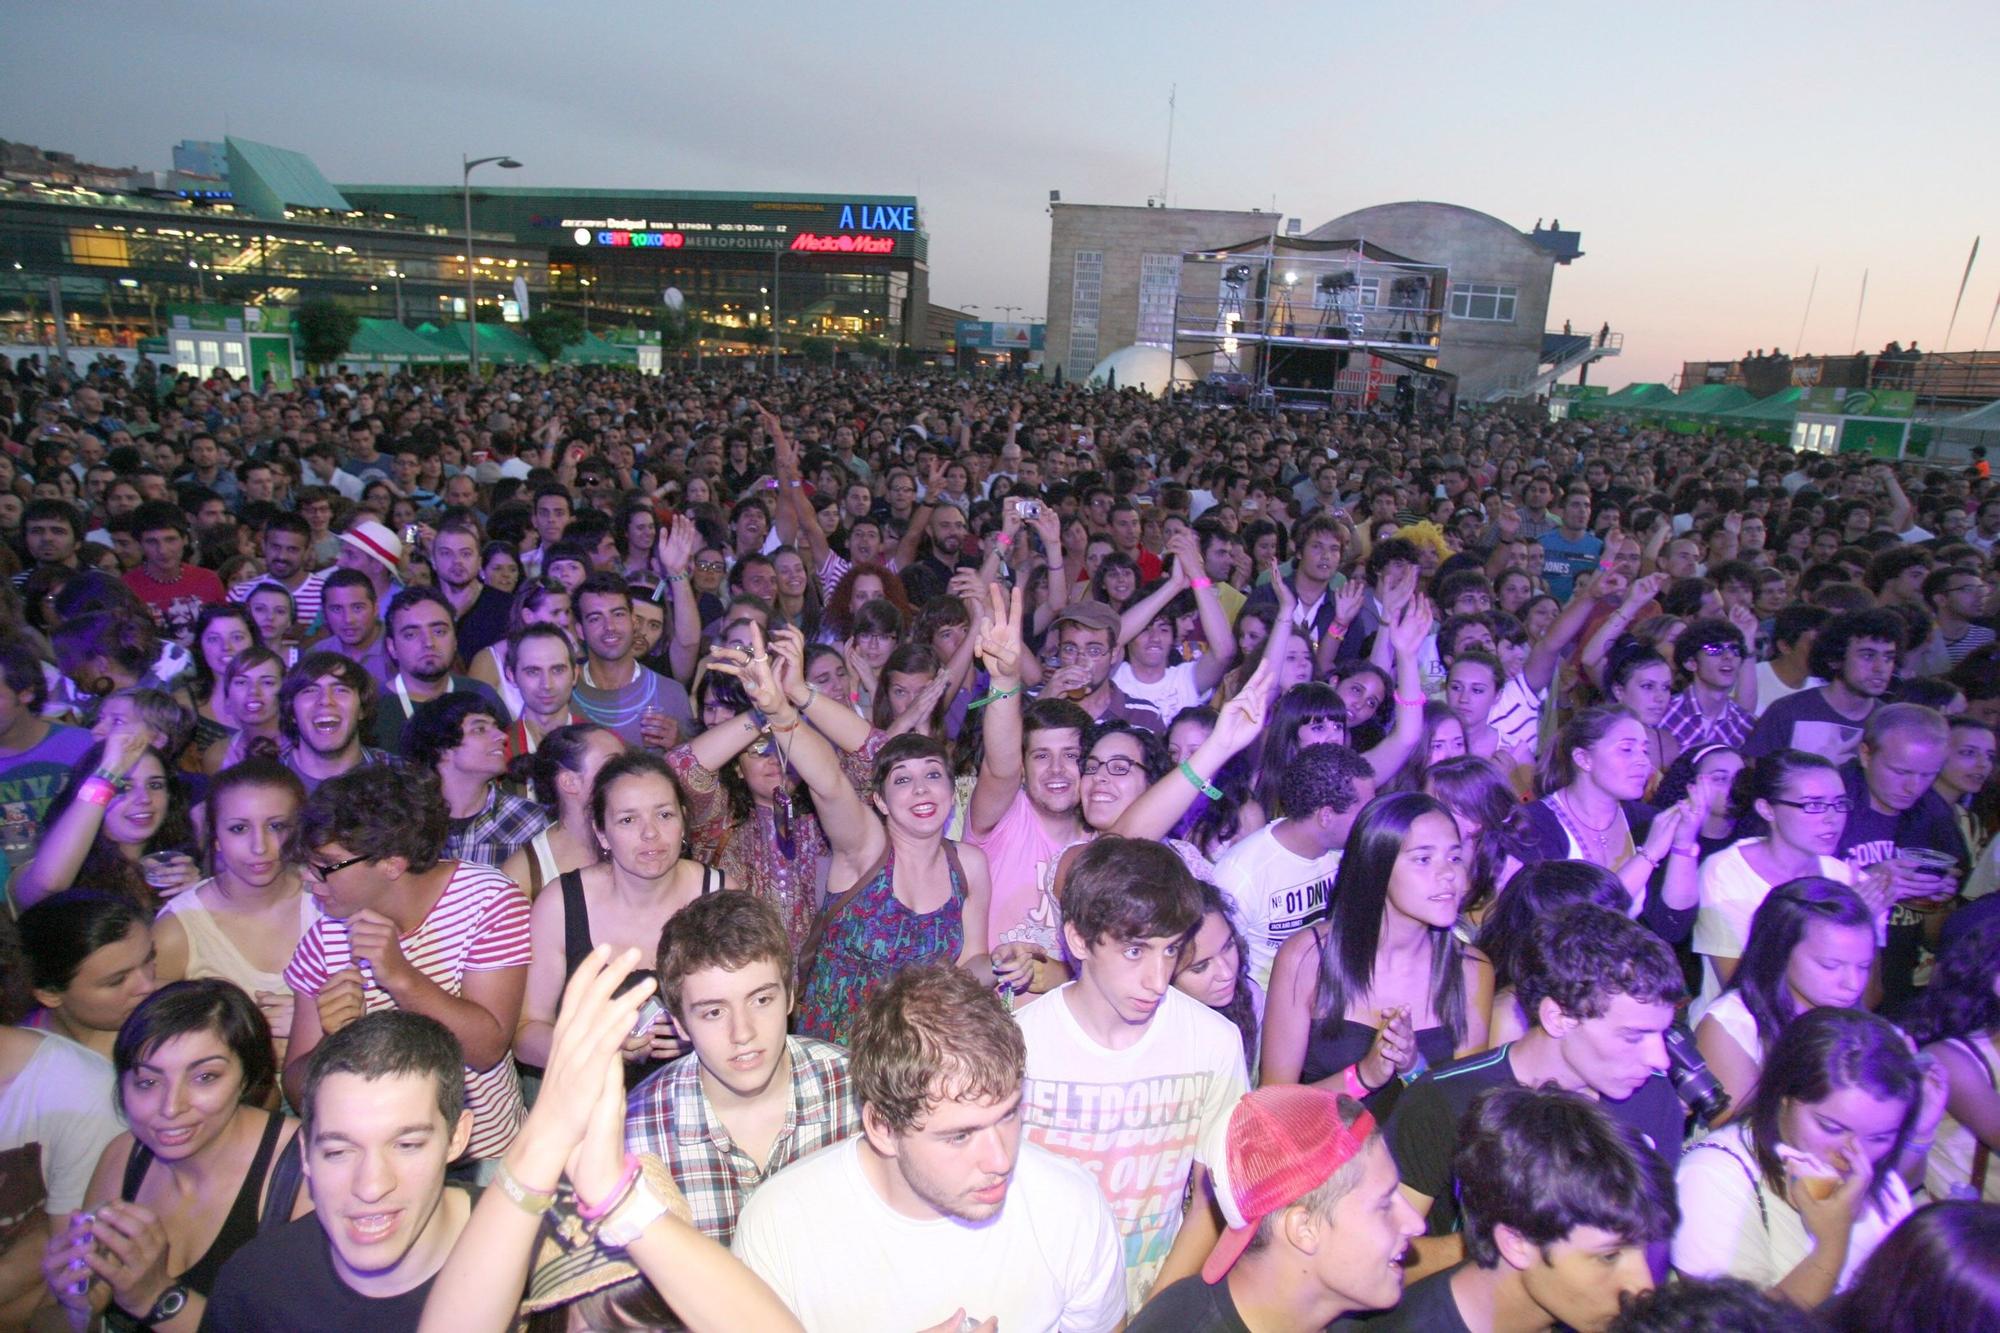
1417	702
653	1196
532	1202
786	731
994	697
1200	583
596	1212
1335	631
677	578
96	791
1690	852
118	781
1201	784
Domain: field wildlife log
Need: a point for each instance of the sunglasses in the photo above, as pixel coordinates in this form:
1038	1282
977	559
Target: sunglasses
1722	650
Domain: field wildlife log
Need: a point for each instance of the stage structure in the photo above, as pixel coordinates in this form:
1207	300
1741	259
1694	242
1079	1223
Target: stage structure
1336	324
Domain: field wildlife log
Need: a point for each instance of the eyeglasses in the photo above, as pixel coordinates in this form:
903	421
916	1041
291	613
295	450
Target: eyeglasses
323	872
1837	807
1722	650
1117	766
1069	652
710	566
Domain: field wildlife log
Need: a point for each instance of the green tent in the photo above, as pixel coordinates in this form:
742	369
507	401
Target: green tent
595	351
386	342
1708	400
1631	398
1780	409
499	344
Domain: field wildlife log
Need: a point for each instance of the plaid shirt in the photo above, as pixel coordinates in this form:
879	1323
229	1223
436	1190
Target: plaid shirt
1686	723
669	1116
503	827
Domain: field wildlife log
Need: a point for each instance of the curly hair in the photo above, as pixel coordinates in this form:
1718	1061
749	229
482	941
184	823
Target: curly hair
375	812
1960	1001
1585	955
839	614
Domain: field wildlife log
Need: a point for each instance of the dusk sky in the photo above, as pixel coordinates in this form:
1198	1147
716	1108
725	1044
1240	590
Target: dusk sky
1711	154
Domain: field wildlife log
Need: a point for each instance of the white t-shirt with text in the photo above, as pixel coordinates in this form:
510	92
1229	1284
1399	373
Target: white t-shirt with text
1276	893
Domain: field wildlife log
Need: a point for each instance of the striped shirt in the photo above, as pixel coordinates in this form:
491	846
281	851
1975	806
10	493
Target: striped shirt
669	1116
305	598
479	924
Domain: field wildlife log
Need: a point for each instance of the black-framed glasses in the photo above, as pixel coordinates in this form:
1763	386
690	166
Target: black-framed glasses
1722	649
1117	766
1839	806
323	872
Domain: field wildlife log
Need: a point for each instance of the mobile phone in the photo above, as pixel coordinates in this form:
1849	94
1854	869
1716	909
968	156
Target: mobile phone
649	1013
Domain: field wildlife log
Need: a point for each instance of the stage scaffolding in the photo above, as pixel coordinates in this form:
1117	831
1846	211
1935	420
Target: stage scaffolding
1286	320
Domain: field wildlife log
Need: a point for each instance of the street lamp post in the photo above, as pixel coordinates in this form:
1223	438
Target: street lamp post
471	298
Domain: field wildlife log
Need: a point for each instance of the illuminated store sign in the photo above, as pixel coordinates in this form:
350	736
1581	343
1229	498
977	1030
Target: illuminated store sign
812	243
878	217
655	240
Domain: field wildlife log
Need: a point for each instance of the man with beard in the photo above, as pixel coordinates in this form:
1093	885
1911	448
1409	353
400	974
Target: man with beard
325	706
1855	654
423	645
287	539
944	1212
541	665
642	706
1024	808
480	611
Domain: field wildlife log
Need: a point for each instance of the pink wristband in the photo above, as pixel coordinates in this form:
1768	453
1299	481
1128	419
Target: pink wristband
96	791
1418	702
1199	584
590	1212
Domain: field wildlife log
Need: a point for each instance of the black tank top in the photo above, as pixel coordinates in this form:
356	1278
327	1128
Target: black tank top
237	1228
577	943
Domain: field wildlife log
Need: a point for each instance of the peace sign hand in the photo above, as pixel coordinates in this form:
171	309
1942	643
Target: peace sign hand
1000	644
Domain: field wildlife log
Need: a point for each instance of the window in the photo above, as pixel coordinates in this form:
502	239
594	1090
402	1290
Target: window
1483	301
1159	283
1086	289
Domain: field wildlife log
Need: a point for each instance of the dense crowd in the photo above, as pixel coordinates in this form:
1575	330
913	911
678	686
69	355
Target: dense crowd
887	851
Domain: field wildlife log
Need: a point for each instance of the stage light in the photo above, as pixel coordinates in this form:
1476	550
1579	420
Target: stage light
1291	278
1237	275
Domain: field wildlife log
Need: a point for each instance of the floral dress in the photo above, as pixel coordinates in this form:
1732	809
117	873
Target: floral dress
867	937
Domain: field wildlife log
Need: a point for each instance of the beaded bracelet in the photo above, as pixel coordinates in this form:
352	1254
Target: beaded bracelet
1418	702
1201	784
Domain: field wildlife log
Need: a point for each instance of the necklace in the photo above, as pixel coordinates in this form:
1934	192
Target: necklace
1579	826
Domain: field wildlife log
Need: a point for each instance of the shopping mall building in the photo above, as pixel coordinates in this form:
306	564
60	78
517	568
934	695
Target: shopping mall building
247	224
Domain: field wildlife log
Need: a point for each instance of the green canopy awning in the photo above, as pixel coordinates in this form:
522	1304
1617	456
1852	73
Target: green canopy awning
1781	408
386	342
1635	395
595	351
499	344
1707	400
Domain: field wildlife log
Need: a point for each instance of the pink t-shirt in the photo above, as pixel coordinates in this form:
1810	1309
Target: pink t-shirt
479	924
1021	861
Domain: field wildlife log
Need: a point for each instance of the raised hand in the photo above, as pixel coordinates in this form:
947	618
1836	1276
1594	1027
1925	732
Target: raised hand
674	548
1399	585
753	669
591	1025
1411	626
788	662
1241	720
1000	644
1288	600
1348	601
1644	590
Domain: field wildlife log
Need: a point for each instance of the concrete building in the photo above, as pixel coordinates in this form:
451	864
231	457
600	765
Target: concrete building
1114	276
1114	272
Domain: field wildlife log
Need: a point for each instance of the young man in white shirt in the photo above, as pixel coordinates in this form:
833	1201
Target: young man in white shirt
1126	1074
937	1211
1147	631
1281	876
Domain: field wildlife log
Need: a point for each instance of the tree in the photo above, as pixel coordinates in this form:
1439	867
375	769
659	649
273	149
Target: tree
551	330
325	330
816	349
679	330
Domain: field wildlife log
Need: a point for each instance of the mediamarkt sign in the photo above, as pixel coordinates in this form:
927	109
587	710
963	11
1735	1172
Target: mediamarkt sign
812	243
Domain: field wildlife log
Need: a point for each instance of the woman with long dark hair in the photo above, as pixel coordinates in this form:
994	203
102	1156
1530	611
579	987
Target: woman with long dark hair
1956	1020
1477	794
121	804
250	684
1798	1191
1812	942
90	963
1938	1272
1211	969
220	633
560	773
1358	999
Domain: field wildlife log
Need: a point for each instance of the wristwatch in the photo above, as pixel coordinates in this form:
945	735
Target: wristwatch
172	1301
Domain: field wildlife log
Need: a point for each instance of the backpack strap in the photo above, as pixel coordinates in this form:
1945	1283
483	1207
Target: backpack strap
1756	1185
281	1188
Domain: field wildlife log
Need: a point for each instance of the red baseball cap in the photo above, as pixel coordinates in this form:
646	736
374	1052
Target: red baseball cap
1281	1144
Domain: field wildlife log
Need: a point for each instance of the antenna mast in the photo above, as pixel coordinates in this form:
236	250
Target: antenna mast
1167	175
